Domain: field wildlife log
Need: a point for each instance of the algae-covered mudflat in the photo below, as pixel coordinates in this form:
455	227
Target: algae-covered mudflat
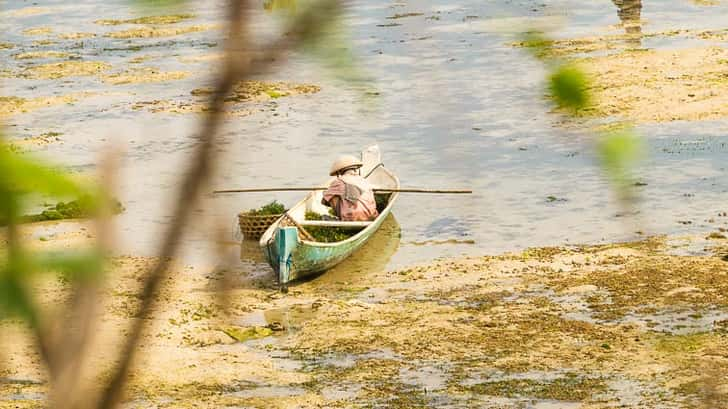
621	325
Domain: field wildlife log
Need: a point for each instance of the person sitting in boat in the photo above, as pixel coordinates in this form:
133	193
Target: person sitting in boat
350	195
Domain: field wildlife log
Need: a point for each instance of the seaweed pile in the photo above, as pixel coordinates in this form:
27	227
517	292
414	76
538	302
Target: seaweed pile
329	234
271	209
75	209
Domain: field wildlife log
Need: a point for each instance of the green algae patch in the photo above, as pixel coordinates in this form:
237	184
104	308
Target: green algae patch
177	107
251	90
571	388
154	32
245	92
246	334
37	55
260	90
682	344
65	69
161	20
143	75
15	105
37	31
75	36
44	139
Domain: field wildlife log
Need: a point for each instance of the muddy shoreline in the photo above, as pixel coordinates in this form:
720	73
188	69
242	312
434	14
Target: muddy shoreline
581	326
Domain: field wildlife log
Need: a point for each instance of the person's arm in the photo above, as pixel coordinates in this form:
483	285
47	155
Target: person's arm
336	189
334	204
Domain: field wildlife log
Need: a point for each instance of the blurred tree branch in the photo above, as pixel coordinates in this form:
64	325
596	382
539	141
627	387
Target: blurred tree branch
239	63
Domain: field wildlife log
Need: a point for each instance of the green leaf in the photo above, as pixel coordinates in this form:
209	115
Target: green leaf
21	174
619	151
74	266
569	87
14	300
325	38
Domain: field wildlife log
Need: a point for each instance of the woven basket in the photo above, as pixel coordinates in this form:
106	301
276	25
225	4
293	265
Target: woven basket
253	227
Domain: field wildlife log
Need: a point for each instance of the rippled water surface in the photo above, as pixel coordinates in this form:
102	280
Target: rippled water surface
457	106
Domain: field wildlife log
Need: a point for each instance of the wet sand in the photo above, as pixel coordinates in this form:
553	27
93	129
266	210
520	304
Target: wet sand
629	324
645	85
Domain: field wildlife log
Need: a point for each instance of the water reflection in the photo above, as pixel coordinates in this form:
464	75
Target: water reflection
371	258
630	14
468	112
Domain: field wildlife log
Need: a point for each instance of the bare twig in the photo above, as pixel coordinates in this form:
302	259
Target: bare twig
187	197
236	67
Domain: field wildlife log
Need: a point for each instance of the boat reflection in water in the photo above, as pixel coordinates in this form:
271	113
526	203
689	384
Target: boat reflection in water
630	15
372	257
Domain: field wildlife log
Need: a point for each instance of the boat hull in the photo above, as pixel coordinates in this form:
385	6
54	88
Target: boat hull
312	258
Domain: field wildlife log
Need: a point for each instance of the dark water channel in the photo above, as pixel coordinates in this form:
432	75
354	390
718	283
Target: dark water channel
456	106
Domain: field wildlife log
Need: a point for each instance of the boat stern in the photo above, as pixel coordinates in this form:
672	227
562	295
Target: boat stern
281	258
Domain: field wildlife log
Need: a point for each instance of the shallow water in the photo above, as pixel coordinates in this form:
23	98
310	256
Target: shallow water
457	107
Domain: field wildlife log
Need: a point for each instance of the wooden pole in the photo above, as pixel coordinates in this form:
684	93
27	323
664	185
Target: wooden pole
308	189
437	191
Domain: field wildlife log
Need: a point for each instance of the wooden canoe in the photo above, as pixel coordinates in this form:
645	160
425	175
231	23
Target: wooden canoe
292	256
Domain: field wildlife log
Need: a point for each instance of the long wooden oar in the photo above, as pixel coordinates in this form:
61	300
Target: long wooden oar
308	189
